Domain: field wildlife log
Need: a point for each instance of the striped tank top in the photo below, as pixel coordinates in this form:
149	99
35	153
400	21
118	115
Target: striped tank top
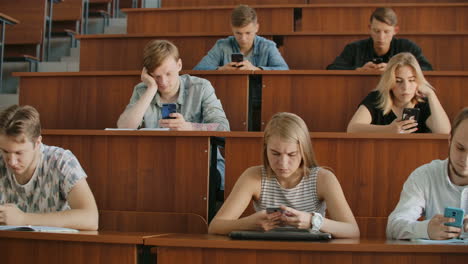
302	197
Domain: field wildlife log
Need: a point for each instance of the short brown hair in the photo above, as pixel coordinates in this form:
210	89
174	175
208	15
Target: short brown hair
385	15
242	16
289	127
462	116
17	120
156	51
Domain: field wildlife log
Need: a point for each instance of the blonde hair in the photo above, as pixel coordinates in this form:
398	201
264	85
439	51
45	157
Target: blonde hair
243	15
20	120
388	80
385	15
156	51
291	128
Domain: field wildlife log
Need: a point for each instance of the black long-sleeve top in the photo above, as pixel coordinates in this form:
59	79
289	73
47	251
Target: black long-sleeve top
358	53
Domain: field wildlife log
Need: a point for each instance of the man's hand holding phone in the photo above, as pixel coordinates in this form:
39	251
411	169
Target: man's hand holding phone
176	122
247	66
438	229
371	66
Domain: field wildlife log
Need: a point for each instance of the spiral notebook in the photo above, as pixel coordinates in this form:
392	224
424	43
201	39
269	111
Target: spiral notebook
50	229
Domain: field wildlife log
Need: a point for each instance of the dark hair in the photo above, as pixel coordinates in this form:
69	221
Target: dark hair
385	15
156	51
461	116
242	16
17	120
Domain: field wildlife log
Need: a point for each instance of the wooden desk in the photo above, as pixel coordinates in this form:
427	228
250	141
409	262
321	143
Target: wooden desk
329	17
327	100
214	19
95	100
25	38
142	171
371	168
180	248
302	51
231	3
412	16
83	247
313	51
68	15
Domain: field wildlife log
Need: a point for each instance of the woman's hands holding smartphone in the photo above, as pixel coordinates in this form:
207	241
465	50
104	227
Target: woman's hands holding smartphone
295	218
264	221
403	126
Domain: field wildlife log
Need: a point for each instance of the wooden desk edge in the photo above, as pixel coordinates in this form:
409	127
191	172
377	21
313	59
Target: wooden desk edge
341	245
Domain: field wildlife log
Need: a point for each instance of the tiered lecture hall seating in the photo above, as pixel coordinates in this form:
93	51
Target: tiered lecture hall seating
24	40
317	33
157	182
67	18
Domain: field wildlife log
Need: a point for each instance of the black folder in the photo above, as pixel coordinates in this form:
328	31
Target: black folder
281	234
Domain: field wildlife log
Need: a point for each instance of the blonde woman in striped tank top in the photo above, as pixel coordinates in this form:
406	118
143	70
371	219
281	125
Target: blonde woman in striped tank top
291	179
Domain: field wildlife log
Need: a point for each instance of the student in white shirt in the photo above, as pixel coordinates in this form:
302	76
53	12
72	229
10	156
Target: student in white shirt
431	188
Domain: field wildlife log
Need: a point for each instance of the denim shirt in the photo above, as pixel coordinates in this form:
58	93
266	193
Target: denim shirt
197	102
265	55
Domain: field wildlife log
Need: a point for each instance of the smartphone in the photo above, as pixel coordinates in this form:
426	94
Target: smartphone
168	109
410	114
456	213
237	57
271	210
377	60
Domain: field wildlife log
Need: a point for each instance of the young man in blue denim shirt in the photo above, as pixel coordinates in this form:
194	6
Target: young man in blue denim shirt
259	53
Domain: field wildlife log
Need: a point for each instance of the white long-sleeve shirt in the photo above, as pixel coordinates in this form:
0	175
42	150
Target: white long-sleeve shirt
426	192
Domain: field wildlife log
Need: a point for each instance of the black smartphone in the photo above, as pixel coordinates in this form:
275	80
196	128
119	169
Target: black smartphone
168	109
410	114
377	60
237	57
271	210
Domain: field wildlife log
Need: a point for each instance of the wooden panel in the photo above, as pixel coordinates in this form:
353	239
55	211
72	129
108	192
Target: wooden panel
308	51
327	102
68	10
383	1
203	20
372	227
363	163
127	221
56	252
411	17
193	3
100	53
301	51
142	173
87	101
31	14
225	256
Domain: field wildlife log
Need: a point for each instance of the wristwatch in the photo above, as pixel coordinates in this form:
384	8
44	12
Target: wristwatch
316	221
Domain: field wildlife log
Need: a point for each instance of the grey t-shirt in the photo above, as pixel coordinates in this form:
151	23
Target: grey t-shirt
56	173
197	102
